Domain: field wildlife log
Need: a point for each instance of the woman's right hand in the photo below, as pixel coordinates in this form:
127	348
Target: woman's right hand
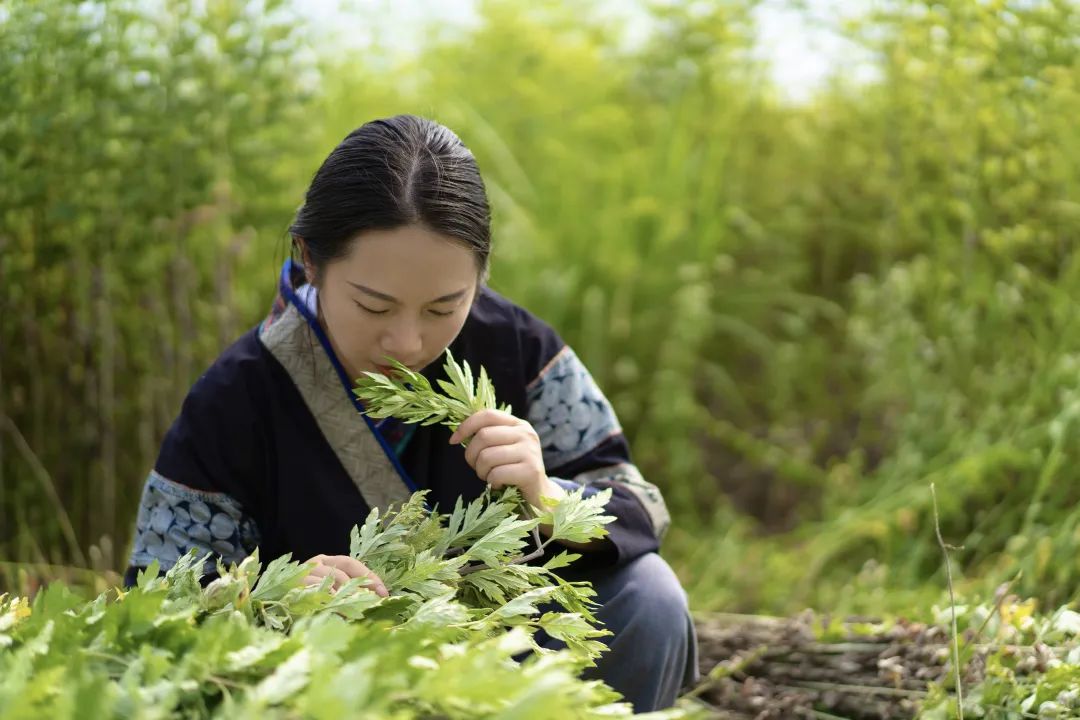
343	568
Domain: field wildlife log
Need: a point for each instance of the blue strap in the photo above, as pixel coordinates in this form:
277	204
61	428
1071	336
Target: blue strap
571	486
290	295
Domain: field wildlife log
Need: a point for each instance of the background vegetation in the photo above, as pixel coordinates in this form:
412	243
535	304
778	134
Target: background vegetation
804	313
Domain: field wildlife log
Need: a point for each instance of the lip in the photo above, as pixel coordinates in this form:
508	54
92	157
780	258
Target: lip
387	370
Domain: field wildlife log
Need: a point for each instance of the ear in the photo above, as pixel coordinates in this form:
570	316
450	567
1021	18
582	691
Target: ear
305	258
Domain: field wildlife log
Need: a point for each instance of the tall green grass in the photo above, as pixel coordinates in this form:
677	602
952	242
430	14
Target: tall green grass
140	190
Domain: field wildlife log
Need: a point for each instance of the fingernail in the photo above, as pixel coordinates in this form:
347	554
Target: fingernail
381	590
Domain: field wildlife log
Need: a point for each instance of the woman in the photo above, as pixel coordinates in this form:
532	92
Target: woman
269	449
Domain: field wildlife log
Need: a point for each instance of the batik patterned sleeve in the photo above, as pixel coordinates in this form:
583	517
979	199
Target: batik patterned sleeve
174	518
584	447
200	493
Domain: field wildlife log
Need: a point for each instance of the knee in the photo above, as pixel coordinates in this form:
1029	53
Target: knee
657	600
658	588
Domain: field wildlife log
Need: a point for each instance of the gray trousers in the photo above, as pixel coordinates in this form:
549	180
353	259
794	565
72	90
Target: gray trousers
653	652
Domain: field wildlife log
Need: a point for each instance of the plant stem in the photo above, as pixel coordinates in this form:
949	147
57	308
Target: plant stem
49	486
952	607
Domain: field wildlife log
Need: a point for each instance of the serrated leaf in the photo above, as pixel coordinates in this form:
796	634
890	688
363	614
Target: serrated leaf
288	679
523	605
578	518
280	576
439	611
498	583
576	631
353	601
563	559
502	542
145	577
427	575
254	654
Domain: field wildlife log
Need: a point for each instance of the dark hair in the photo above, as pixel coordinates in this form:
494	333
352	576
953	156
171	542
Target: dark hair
389	173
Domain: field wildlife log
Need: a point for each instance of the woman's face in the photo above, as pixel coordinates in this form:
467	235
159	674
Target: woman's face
403	293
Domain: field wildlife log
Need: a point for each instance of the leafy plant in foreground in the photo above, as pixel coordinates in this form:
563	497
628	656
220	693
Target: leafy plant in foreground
258	643
450	640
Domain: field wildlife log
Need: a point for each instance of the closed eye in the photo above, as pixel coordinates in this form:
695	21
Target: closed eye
441	314
367	309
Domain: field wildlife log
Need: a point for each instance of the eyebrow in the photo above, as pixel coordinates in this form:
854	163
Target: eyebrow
390	298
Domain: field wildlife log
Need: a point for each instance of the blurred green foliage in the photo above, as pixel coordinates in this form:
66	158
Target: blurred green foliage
804	313
140	194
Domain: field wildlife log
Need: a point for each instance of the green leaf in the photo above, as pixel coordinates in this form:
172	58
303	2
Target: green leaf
353	601
146	576
427	575
279	577
497	583
439	611
506	539
286	680
578	518
467	524
576	631
254	654
523	605
563	559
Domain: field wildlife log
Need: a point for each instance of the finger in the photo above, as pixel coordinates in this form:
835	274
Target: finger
480	419
319	580
354	568
491	436
350	566
505	475
496	456
319	571
340	578
322	571
313	579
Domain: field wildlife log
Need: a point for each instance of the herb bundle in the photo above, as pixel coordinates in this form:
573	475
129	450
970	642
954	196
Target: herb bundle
410	397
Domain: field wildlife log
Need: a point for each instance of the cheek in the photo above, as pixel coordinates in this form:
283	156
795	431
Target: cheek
440	335
353	336
361	341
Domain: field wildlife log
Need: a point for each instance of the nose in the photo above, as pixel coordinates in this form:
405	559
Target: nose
402	341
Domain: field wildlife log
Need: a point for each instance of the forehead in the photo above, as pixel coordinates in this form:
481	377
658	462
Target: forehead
410	262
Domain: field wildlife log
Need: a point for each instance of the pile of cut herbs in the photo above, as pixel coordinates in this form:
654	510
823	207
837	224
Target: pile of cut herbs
454	639
257	643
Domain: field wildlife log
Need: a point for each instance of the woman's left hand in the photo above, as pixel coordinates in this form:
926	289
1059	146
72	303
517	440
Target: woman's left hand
505	450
